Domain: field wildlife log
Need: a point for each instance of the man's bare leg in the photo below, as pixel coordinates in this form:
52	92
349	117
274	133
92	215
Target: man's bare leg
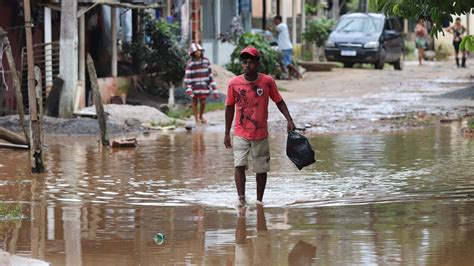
240	180
261	183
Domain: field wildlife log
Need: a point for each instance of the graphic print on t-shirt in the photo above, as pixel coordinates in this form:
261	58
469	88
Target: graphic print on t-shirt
251	105
246	108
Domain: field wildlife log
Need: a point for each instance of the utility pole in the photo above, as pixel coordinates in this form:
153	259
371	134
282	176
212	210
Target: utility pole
36	147
335	9
68	59
264	15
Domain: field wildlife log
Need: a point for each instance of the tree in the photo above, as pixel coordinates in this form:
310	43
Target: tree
317	32
160	59
435	11
269	59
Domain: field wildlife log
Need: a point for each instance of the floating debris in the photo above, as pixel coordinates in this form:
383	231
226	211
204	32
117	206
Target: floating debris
124	143
159	238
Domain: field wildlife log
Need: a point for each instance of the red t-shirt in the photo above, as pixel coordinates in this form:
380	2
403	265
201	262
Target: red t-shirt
251	104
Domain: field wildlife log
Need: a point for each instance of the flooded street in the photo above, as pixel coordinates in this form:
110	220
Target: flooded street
161	82
399	198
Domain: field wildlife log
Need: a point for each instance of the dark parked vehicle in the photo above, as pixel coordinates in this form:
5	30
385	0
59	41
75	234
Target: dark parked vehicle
366	38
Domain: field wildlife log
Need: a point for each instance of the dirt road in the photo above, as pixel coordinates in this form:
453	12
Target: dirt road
348	100
343	100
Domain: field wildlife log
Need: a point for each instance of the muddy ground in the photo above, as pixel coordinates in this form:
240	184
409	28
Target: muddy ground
368	100
343	100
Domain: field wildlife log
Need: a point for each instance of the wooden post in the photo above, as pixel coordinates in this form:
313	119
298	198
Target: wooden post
97	101
36	149
16	83
39	97
68	65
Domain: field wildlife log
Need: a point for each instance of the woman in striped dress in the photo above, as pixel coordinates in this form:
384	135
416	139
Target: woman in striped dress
198	80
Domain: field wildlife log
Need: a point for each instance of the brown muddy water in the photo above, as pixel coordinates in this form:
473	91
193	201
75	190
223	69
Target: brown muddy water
371	199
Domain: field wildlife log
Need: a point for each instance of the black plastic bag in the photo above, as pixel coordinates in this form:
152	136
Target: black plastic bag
299	150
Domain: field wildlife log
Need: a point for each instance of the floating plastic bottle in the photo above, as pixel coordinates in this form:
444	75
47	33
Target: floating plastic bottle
159	238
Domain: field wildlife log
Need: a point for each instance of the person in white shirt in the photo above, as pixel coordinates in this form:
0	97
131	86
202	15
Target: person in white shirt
284	44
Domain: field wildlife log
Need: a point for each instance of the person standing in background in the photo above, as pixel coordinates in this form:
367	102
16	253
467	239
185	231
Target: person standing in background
284	44
421	43
199	81
458	31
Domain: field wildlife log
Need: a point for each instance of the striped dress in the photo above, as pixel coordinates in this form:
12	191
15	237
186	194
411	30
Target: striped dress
198	77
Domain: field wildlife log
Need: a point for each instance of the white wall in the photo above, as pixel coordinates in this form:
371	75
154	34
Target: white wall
223	53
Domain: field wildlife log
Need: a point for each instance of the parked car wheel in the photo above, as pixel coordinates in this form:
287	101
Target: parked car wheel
381	62
398	65
348	65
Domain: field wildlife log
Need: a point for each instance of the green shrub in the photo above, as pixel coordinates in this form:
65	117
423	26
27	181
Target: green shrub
269	58
10	211
467	43
159	58
318	30
313	9
470	124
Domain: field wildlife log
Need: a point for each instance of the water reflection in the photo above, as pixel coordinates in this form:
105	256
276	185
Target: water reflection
186	169
72	234
428	233
302	254
402	198
255	251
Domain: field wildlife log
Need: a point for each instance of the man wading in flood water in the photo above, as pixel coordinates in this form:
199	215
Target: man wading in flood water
249	94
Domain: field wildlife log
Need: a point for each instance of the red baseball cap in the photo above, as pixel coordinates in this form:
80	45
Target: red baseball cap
251	51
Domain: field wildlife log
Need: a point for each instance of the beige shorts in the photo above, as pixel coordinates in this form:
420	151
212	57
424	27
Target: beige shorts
260	153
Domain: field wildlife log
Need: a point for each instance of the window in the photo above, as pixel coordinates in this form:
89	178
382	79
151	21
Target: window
359	24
